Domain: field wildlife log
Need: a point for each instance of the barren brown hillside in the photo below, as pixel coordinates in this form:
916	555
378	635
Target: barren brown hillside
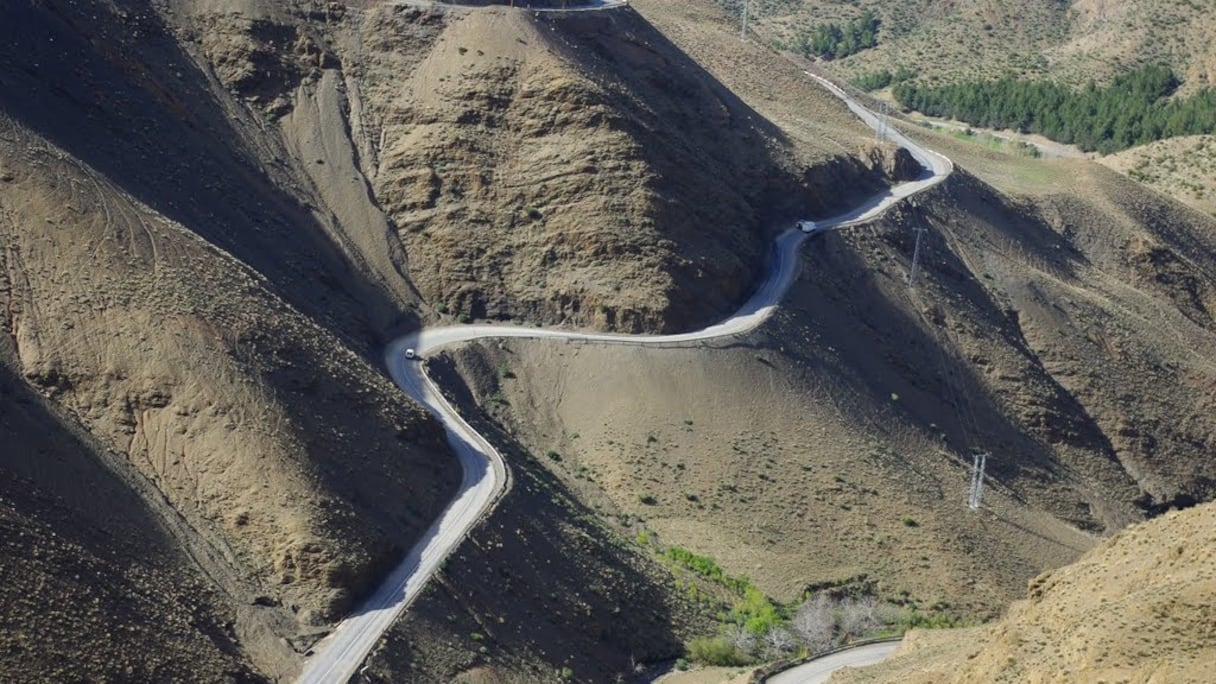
1136	609
267	437
1071	338
214	213
182	309
207	230
87	568
580	169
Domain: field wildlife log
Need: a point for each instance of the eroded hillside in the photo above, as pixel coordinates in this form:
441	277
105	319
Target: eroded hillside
1135	609
578	169
177	303
214	213
1061	325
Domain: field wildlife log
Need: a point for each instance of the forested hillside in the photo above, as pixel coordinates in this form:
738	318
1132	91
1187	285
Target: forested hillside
1135	109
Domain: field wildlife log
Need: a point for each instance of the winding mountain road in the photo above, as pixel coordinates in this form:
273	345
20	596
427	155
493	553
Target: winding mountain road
338	657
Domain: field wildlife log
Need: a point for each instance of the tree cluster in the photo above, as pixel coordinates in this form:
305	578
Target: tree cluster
1134	109
877	80
760	631
833	41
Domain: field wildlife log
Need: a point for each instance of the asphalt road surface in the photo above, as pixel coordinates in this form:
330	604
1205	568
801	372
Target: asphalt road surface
338	657
820	670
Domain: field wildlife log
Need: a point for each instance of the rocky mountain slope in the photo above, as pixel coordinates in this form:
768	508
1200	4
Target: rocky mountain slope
88	575
1060	321
1134	609
1031	334
577	169
265	436
1073	42
214	213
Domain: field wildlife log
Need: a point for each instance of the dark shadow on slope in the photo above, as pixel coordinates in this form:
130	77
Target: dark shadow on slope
721	188
112	87
106	579
1019	226
870	343
543	582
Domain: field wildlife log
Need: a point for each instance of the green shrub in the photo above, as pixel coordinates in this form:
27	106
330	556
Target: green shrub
716	651
756	612
648	499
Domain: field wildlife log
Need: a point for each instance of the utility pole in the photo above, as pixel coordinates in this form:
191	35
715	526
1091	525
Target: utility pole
920	231
881	129
743	32
979	461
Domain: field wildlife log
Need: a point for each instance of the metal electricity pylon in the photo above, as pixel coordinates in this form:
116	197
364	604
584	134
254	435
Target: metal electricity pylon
920	231
974	497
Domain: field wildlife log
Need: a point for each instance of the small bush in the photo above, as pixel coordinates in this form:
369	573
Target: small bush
648	499
553	455
909	521
716	651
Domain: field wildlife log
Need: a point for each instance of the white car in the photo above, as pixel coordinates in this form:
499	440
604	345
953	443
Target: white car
411	354
807	226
